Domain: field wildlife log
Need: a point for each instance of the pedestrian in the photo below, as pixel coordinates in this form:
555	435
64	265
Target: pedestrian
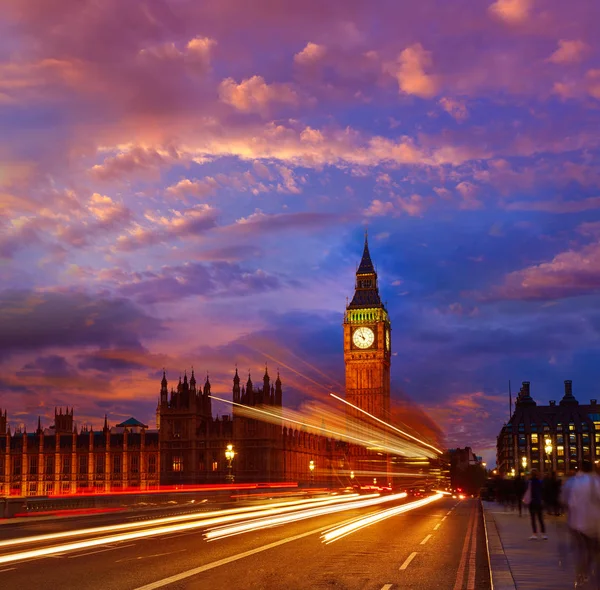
520	488
533	497
581	499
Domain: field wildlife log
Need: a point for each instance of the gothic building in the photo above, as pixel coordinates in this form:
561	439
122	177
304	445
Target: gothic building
189	446
60	460
556	437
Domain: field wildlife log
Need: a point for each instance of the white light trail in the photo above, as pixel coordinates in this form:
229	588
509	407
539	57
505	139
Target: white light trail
339	532
247	512
418	440
201	522
260	523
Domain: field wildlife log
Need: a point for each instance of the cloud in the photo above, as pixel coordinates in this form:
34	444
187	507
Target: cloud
569	274
213	280
410	72
556	206
569	52
181	224
455	108
37	320
512	11
194	188
310	54
136	160
254	95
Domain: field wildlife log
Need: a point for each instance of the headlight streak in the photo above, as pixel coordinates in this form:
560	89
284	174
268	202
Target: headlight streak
395	445
339	532
418	440
261	523
203	518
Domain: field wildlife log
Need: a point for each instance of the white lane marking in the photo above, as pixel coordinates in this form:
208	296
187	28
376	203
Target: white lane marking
10	569
386	587
408	560
443	519
149	556
425	540
225	561
448	513
93	552
437	526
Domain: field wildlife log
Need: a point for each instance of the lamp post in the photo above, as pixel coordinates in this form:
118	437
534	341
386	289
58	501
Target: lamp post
352	475
548	449
524	463
311	467
229	455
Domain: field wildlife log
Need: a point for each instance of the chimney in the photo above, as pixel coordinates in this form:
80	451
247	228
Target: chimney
552	402
593	402
525	389
568	388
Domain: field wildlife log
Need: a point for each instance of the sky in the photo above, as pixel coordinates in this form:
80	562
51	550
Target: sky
188	183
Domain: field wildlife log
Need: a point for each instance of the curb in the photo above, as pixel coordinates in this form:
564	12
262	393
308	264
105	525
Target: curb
501	577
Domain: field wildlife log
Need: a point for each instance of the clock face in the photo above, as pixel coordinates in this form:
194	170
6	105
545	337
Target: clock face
363	337
387	339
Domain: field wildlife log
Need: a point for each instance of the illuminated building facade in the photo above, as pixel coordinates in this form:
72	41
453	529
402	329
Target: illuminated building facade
556	437
60	461
367	343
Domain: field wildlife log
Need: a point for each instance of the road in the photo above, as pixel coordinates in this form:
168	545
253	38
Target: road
426	548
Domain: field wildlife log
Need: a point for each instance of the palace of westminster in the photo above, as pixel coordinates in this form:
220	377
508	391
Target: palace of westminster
189	444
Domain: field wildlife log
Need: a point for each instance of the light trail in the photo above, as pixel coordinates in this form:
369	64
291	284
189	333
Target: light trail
186	526
261	523
422	442
231	514
398	446
357	524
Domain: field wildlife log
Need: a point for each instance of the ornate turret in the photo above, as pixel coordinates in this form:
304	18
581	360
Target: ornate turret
193	382
105	428
206	401
63	423
569	398
236	387
39	426
3	422
249	391
366	292
266	387
164	391
278	391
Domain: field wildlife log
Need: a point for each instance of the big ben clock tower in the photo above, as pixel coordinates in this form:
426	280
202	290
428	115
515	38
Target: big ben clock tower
367	343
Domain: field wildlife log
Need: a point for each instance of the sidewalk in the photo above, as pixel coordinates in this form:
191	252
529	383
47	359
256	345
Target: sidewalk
517	562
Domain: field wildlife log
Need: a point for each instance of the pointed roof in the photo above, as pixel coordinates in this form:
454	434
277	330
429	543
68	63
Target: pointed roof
366	264
131	422
366	293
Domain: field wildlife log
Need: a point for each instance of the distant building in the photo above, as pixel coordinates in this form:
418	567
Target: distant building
556	437
59	460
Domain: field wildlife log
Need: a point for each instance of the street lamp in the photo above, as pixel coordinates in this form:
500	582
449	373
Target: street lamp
548	449
229	455
524	463
311	466
352	475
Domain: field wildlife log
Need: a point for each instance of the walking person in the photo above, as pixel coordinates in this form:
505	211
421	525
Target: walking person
520	488
581	499
534	497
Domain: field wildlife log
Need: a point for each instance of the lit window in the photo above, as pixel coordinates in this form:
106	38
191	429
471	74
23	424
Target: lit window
215	465
177	464
534	439
560	451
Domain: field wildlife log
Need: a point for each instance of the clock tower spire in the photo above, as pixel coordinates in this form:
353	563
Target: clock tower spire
367	343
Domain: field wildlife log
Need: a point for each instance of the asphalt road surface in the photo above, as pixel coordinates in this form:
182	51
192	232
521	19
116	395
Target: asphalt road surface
439	546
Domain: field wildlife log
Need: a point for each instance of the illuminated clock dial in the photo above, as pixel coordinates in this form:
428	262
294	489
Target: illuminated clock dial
387	339
363	337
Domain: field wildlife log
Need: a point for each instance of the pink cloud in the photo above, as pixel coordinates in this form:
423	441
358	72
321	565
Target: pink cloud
194	188
410	72
511	11
255	95
310	54
569	52
455	108
568	274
